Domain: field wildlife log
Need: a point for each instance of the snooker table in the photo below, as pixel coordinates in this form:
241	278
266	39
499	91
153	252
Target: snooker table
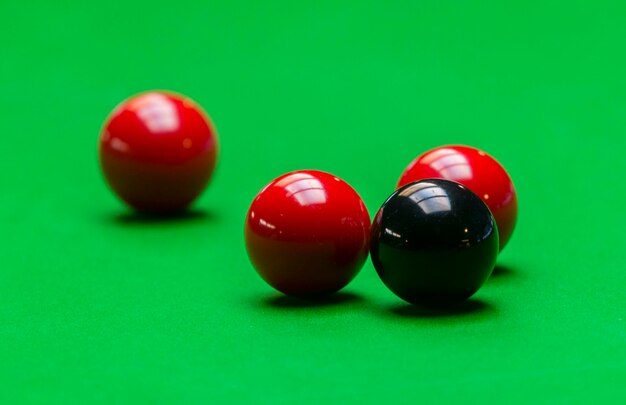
100	305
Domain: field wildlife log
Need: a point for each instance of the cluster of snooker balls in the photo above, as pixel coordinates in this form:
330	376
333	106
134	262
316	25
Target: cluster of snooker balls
433	242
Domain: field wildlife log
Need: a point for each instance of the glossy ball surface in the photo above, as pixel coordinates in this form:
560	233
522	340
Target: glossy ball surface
477	171
307	233
158	151
434	242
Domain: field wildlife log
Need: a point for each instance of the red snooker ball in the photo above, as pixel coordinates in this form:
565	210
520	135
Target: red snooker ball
158	151
307	233
477	171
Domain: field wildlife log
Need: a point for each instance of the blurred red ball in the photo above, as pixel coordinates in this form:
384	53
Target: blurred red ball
158	151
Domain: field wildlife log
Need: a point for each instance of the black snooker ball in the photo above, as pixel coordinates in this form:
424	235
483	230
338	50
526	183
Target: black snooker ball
434	243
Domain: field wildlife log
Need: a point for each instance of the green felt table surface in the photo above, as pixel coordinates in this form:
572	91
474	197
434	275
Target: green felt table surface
98	305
